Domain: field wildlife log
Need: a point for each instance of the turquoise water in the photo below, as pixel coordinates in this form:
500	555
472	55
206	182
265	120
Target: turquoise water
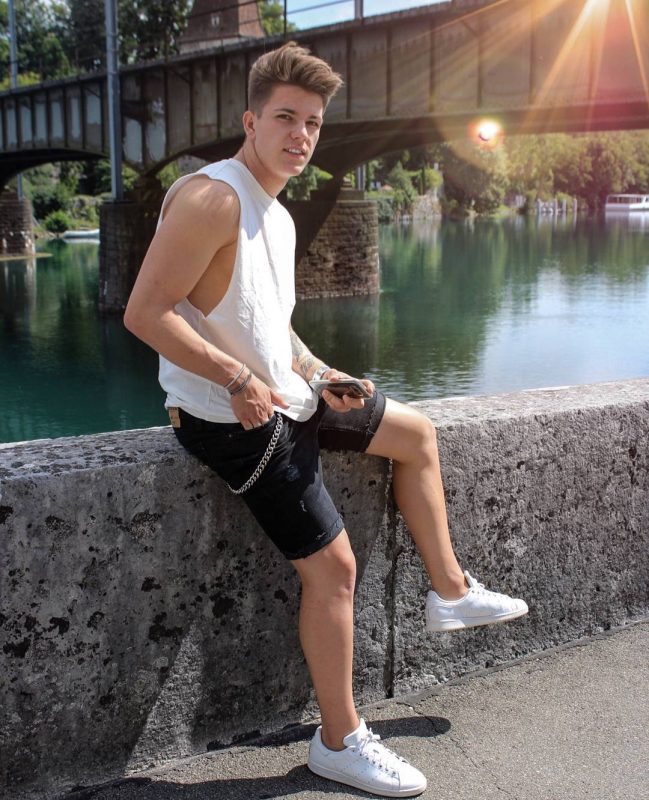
491	307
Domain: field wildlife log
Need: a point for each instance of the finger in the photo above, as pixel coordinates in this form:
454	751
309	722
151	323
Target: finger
356	402
333	401
278	401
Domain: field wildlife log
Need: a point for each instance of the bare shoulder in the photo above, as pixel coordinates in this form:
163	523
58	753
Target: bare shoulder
204	205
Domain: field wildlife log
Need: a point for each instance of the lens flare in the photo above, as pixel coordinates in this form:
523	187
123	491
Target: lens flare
487	133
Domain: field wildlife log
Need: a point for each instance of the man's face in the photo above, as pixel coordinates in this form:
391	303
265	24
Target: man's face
286	132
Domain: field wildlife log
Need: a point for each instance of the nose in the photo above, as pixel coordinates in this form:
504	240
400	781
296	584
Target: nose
300	131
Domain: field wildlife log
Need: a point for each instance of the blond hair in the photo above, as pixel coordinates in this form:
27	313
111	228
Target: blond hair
291	65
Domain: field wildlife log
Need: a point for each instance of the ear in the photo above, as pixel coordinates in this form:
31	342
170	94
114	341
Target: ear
248	120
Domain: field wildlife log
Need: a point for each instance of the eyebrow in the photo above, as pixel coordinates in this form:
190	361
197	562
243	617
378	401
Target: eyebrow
293	111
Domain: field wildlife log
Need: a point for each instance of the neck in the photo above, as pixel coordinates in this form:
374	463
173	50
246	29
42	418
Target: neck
271	184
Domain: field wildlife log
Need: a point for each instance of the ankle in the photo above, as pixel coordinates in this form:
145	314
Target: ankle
332	738
450	587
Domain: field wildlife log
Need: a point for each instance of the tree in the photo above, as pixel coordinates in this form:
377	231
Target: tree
41	55
148	29
404	192
271	13
474	177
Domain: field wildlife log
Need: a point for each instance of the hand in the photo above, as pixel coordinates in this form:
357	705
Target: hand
346	402
254	405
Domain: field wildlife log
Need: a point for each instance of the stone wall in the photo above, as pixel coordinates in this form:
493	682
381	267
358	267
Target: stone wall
126	230
16	230
145	617
343	258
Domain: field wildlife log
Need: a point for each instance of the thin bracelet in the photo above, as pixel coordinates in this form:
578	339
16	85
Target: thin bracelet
243	385
236	377
317	375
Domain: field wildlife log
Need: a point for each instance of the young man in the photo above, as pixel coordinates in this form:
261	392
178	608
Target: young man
214	298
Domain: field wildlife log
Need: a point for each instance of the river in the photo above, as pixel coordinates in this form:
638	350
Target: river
465	308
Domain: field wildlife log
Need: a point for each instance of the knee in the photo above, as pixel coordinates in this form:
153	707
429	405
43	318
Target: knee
330	570
426	434
340	573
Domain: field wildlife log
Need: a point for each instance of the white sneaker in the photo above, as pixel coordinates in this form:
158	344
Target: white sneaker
479	606
365	764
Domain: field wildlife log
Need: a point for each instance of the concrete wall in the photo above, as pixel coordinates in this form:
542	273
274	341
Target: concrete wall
144	617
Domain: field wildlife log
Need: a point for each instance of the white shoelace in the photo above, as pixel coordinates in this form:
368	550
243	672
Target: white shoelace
479	588
378	755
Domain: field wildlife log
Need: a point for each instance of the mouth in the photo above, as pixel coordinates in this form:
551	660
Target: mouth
296	152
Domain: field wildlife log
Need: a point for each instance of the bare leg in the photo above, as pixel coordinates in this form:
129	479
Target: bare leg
410	440
327	634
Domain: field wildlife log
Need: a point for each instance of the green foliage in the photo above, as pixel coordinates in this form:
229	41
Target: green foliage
300	187
96	180
169	175
57	222
475	178
49	199
41	55
432	179
385	207
58	39
271	13
404	192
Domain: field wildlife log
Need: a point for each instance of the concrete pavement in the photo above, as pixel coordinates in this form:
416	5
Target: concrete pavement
570	724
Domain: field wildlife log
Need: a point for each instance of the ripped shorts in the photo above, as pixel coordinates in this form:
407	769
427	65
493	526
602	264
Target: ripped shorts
289	499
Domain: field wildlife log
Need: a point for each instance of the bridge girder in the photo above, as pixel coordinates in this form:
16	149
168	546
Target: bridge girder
411	78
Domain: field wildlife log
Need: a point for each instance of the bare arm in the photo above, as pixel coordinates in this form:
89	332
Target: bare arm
203	218
304	362
306	365
179	254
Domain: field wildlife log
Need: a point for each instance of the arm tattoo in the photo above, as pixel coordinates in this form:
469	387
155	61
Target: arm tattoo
304	362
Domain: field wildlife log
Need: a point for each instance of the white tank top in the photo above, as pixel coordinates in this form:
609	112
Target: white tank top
251	323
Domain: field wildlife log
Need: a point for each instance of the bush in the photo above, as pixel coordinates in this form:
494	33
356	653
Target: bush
46	199
385	208
404	192
57	222
432	179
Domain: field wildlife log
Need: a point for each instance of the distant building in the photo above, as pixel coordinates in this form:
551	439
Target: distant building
216	22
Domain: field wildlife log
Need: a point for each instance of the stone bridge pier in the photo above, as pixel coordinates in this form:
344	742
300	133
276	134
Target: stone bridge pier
16	228
336	252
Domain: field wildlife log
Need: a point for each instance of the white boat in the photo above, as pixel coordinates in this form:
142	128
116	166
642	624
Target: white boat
627	202
93	234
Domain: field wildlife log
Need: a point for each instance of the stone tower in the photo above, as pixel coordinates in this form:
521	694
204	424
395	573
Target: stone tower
214	22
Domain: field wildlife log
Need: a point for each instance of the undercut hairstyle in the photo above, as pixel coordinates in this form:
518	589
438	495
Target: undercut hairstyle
290	65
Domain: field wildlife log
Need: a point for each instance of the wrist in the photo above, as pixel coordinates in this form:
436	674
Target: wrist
240	380
320	372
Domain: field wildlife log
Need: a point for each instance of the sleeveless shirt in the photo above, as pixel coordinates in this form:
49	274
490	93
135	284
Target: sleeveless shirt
251	322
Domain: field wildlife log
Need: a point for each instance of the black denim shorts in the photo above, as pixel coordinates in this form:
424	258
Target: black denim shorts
289	499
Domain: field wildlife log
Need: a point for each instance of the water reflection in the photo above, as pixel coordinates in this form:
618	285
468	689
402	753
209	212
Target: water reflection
491	306
470	308
65	370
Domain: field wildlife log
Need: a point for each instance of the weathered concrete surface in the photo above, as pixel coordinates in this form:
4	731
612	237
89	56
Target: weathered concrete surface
144	614
145	618
567	725
548	498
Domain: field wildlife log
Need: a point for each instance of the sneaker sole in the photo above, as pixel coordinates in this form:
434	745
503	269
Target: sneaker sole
332	775
458	624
